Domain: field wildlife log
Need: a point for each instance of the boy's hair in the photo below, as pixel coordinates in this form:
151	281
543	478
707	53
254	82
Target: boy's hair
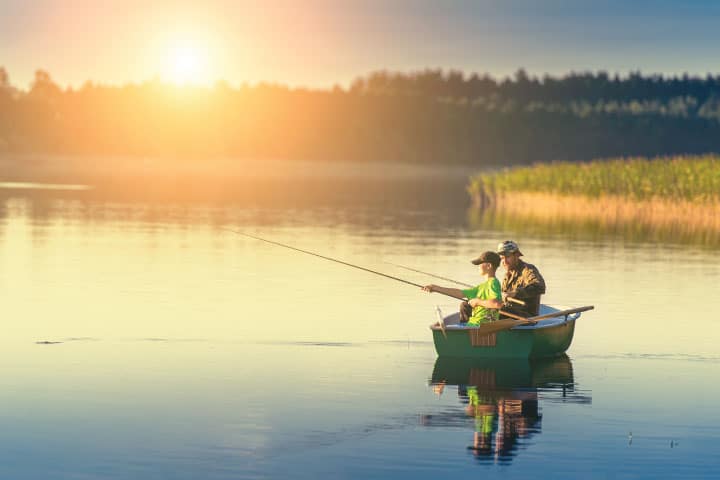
490	257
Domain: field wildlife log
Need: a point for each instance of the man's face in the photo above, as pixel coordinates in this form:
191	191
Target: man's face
510	260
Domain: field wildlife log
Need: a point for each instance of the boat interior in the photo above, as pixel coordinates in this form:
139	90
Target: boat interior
452	321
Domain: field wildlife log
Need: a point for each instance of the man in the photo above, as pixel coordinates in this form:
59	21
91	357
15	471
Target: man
522	281
484	301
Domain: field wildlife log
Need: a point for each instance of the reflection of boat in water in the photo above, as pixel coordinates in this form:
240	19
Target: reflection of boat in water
504	374
501	399
546	338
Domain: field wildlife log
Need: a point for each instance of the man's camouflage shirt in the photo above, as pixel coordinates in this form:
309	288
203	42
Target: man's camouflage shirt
524	283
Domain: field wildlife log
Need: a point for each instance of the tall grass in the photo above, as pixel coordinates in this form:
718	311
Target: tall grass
689	178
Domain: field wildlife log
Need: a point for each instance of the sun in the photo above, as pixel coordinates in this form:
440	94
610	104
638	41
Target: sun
186	64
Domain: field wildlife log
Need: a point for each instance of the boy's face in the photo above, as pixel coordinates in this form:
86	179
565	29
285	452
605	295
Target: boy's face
485	268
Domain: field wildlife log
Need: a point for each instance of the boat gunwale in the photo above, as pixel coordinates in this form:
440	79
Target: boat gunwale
540	325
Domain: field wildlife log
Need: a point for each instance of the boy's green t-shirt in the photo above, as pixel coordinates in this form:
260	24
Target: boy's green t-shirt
489	290
483	422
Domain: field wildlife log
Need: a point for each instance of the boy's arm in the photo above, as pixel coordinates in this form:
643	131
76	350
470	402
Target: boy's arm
495	300
453	292
490	303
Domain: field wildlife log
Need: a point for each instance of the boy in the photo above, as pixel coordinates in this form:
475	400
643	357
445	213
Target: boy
484	301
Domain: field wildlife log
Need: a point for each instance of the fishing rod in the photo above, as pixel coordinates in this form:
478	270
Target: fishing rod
512	315
509	299
327	258
431	275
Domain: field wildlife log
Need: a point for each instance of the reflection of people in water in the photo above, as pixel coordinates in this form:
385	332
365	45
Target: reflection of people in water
501	399
484	413
508	418
439	387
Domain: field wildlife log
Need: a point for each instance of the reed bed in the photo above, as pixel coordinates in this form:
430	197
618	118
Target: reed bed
691	178
679	193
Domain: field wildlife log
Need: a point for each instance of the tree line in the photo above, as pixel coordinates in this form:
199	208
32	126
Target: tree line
576	86
431	116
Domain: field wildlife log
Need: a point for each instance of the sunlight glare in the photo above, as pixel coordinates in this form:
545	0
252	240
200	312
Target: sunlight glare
186	64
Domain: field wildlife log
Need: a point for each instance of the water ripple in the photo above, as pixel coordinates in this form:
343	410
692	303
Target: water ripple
657	356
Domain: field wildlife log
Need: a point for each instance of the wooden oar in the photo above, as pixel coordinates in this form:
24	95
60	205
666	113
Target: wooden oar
499	325
493	327
561	313
490	327
516	320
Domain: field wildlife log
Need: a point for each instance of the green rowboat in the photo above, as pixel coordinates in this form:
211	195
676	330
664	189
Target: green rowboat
548	337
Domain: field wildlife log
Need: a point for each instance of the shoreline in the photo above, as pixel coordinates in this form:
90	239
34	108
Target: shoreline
89	168
606	210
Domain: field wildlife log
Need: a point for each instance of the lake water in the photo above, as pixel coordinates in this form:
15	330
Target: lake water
143	340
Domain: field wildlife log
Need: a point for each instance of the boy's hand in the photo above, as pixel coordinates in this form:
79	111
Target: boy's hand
475	302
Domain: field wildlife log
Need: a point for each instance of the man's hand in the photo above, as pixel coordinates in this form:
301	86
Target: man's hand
429	288
475	302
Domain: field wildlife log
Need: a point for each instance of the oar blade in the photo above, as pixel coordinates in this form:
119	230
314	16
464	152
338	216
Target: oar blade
561	313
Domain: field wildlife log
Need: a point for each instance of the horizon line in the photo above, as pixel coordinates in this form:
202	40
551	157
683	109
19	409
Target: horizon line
346	85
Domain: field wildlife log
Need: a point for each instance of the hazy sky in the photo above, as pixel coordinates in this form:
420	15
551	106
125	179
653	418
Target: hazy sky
321	42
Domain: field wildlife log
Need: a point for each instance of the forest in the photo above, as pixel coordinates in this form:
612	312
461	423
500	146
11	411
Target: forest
430	116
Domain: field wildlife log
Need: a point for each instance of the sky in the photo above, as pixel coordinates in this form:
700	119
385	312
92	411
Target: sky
319	43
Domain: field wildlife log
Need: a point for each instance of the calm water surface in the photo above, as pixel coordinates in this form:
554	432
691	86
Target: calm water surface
186	351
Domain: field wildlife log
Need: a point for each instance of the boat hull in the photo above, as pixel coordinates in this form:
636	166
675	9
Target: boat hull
542	341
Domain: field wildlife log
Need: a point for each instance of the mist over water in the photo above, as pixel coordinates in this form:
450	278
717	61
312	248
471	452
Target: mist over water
146	340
